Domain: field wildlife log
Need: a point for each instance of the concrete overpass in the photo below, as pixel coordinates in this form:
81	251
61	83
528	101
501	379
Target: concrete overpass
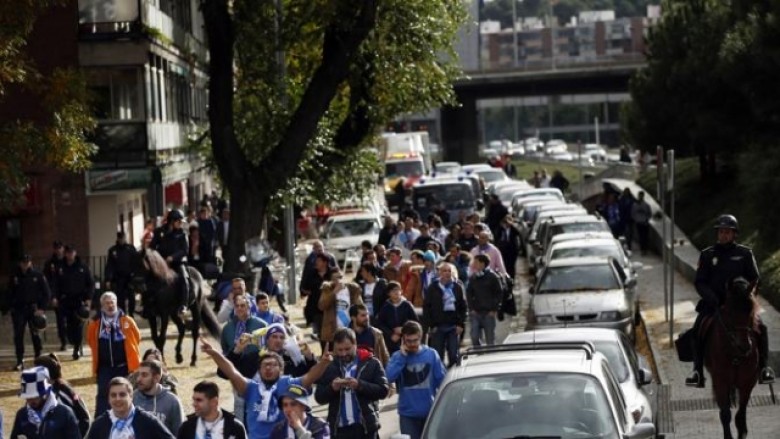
459	125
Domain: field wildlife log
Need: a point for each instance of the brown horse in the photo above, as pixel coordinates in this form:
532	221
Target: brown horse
732	354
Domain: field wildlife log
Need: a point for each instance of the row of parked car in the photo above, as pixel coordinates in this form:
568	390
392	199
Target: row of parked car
574	372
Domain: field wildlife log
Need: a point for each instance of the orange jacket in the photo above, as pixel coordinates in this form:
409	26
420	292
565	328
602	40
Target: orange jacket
132	342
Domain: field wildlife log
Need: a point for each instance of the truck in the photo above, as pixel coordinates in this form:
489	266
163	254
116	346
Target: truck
404	155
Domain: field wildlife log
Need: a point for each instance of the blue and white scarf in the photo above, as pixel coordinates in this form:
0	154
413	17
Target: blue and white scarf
110	325
269	403
122	428
240	329
350	408
448	296
35	417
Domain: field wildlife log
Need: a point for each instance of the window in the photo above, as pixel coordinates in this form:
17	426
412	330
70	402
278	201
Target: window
118	94
578	278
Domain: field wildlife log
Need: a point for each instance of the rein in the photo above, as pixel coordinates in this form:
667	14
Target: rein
742	353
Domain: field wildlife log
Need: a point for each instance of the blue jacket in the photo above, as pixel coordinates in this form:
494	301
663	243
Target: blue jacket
417	377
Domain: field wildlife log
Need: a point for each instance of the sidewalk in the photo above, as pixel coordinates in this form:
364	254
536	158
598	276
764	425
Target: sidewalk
692	413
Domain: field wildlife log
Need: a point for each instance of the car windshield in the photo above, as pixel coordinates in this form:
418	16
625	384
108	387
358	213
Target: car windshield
490	175
356	227
506	195
578	278
404	169
617	361
591	250
451	196
549	404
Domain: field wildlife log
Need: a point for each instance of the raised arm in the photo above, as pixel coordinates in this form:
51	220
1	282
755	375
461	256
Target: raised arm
236	379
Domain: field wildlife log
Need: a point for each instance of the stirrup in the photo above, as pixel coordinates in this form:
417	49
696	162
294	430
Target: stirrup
767	376
695	380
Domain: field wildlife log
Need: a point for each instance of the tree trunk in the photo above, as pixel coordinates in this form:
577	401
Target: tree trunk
247	210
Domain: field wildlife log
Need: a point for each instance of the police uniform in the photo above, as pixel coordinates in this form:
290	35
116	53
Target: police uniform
51	269
719	265
120	268
75	285
29	293
173	244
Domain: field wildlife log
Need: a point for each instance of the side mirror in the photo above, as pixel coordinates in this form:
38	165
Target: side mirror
643	430
631	283
644	376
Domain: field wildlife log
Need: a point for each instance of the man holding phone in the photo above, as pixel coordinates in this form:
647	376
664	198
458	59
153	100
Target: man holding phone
417	371
352	386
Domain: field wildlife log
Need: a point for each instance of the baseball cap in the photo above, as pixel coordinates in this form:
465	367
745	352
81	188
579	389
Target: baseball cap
299	394
429	256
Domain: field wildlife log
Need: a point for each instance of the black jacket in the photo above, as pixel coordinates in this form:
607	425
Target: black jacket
433	307
390	317
145	426
74	282
59	423
52	267
466	244
485	292
718	265
317	427
208	239
121	263
28	288
233	428
380	295
70	398
386	235
507	245
173	244
373	387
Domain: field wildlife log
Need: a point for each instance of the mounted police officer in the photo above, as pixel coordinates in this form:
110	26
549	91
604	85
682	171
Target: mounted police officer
120	269
50	270
718	265
73	291
173	246
29	296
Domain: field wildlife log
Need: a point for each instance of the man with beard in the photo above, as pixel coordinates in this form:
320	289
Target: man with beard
43	417
352	387
367	336
152	397
262	396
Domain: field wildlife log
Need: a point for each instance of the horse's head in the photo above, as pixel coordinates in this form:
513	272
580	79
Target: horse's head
154	263
740	299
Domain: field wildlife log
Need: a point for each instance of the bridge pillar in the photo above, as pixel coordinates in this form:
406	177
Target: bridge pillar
460	131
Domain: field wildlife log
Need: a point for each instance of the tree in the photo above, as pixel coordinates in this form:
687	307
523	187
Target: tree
53	133
351	67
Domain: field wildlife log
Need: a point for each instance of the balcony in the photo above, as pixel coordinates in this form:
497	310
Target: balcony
121	145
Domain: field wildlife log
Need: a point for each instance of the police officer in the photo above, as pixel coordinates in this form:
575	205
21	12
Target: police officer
74	289
50	270
29	296
120	268
173	246
718	265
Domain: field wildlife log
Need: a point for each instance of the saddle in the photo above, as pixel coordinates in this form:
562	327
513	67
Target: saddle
704	327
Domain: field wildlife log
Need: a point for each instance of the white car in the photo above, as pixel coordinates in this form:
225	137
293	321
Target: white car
345	232
630	369
595	151
555	146
447	167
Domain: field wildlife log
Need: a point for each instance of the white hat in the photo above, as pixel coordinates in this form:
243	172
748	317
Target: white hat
35	383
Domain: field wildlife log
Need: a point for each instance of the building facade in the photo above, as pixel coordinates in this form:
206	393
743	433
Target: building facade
146	67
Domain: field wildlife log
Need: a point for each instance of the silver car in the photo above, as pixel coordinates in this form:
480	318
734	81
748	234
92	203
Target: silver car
582	292
631	371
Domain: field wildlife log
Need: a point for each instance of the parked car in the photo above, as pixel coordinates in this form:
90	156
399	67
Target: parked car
447	167
343	233
533	391
491	175
596	152
555	146
630	369
577	292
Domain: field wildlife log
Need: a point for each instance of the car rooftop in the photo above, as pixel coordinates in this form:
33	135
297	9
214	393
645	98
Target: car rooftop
523	361
351	216
585	242
579	261
563	334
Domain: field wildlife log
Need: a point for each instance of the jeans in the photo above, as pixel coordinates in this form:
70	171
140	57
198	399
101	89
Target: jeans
482	320
412	426
442	338
355	431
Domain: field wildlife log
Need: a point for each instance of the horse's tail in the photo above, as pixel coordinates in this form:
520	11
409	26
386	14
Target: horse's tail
209	320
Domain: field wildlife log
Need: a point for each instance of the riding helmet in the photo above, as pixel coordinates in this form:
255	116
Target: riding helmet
175	215
39	322
727	222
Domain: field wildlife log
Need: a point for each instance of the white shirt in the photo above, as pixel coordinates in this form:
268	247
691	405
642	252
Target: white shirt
217	428
342	304
368	296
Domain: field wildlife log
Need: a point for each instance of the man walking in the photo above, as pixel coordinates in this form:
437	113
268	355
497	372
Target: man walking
29	295
152	397
352	387
124	420
120	268
483	295
73	290
208	419
51	270
444	313
417	371
367	336
508	244
43	417
641	214
486	248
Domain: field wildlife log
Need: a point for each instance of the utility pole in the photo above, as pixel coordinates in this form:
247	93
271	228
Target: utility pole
289	215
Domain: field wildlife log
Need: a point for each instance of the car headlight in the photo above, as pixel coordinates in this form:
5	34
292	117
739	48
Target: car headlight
545	319
611	315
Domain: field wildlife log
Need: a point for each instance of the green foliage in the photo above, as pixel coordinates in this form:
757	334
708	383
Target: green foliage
55	139
406	65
